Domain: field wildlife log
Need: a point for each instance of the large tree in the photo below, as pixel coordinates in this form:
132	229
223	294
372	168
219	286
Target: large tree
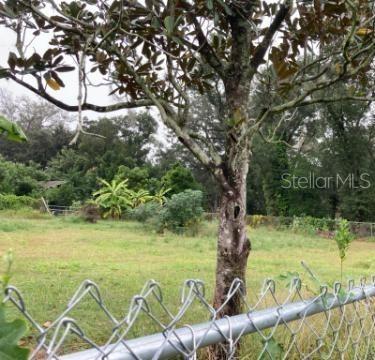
155	52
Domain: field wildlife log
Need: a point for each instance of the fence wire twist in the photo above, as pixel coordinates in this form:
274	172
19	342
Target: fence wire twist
336	323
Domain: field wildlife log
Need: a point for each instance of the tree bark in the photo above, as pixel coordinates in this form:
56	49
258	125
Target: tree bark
233	250
233	246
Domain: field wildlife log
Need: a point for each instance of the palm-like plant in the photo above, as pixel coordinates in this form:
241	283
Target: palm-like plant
160	197
140	197
113	197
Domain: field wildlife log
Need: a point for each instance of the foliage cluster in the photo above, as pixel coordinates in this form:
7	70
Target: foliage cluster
14	202
20	179
311	225
180	212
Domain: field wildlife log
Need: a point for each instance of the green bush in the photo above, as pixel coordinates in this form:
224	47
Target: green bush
183	210
14	202
20	179
144	212
178	179
310	224
63	195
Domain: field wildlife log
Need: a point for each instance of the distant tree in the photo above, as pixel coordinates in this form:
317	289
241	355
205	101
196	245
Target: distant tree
346	148
19	179
80	176
179	179
44	124
138	177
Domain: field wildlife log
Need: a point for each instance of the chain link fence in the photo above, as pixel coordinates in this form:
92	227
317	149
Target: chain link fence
292	322
322	226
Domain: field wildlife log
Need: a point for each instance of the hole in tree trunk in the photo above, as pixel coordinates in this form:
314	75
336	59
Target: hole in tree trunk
236	211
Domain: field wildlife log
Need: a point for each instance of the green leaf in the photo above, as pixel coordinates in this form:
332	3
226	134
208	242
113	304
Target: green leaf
10	334
11	130
273	350
169	24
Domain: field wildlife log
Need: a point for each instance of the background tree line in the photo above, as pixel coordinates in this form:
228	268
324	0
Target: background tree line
342	142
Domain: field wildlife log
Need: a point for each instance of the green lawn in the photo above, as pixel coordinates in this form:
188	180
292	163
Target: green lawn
54	255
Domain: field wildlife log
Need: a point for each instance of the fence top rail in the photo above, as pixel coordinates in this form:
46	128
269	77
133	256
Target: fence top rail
176	338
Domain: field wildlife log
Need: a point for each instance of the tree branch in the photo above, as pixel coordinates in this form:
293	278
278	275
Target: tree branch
85	106
206	50
262	48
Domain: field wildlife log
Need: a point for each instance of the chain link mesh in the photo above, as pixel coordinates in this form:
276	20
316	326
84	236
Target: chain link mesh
336	322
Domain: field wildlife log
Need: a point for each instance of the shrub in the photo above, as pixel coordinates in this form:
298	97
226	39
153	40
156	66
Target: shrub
183	210
312	225
63	195
19	179
14	202
145	212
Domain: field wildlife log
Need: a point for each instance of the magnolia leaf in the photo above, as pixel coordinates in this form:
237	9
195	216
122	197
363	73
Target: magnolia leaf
10	334
52	83
65	68
11	130
169	24
57	79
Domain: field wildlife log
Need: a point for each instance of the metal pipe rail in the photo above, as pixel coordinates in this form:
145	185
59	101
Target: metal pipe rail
208	333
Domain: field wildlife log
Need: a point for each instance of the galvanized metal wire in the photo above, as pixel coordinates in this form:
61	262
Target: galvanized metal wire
337	322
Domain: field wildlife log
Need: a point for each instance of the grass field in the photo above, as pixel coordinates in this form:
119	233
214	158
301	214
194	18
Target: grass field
54	255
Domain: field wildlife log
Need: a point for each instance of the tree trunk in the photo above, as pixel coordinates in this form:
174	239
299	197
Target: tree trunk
232	250
233	245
